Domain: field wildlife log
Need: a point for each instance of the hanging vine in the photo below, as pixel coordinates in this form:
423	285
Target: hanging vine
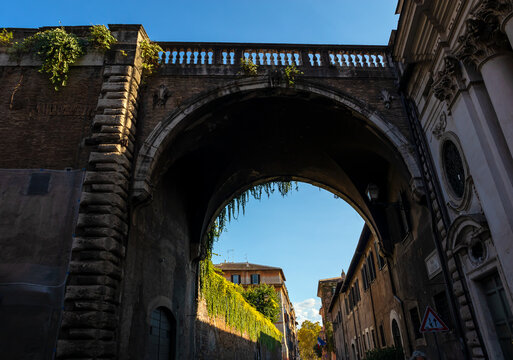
238	203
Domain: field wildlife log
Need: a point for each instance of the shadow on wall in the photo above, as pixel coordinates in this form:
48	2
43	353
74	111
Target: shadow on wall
212	342
37	218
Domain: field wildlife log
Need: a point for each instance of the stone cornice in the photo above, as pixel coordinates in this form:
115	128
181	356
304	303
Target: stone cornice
483	38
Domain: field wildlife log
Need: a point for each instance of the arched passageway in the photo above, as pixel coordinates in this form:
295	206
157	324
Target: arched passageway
227	141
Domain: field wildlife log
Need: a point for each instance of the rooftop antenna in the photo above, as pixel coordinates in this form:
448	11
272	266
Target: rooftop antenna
246	256
228	254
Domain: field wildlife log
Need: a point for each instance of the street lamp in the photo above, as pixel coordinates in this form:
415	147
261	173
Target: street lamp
372	192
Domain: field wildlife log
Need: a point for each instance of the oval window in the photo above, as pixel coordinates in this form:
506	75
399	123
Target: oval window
453	167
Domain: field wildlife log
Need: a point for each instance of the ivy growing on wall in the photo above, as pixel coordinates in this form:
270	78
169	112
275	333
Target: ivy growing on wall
290	74
225	300
150	53
5	37
58	50
248	67
238	203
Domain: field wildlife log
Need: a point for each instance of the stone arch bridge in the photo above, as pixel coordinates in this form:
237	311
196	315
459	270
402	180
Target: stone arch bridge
164	153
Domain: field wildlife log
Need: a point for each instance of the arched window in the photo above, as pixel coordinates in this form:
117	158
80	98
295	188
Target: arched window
162	335
396	333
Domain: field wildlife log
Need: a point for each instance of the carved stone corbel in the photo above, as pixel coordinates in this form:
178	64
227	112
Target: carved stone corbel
445	85
440	126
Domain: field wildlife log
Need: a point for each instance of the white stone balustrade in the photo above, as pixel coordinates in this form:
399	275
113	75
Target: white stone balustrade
275	55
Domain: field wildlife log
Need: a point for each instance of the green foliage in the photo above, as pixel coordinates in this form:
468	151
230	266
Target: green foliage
225	299
389	353
248	67
307	337
330	342
101	38
56	48
290	74
150	55
6	38
232	209
265	299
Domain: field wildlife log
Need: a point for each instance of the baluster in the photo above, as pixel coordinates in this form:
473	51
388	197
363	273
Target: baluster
340	59
182	55
385	60
296	57
373	62
365	60
356	59
260	57
348	59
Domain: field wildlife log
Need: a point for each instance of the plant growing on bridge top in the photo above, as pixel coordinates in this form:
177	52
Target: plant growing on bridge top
101	38
5	37
248	67
150	53
290	74
56	48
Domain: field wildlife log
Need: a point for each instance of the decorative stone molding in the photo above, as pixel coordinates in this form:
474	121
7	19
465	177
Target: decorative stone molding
440	126
387	98
501	9
417	189
483	38
445	86
160	96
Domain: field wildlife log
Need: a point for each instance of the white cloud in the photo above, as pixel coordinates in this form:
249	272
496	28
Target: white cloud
308	310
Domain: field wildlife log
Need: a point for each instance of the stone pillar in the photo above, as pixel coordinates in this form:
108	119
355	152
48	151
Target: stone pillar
507	26
486	47
91	309
497	75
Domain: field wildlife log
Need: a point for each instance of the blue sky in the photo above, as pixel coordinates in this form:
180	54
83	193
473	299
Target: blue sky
298	21
310	234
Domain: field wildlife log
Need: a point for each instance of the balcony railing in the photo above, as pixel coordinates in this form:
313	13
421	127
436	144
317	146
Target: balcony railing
274	55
